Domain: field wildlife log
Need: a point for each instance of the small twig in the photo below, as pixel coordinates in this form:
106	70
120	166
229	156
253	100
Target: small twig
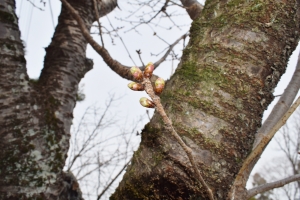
35	5
113	180
169	126
162	59
270	186
98	21
139	53
117	67
121	41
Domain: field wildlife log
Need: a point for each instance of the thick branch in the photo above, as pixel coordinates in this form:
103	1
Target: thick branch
117	67
270	186
193	8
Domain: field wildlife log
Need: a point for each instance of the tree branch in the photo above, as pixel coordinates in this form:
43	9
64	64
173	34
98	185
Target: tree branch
282	105
113	180
270	186
265	133
122	70
97	19
193	8
252	158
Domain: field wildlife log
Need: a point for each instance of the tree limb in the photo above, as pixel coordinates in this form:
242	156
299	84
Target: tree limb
270	186
122	70
98	21
193	8
282	105
113	180
252	158
265	133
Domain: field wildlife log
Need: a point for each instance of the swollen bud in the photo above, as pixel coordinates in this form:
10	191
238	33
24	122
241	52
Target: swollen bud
159	86
147	103
136	86
149	70
136	73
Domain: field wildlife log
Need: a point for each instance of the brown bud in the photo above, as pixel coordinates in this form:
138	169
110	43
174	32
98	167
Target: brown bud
136	73
136	86
159	86
149	70
147	103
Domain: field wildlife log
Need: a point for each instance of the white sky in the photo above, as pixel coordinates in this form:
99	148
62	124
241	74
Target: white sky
37	29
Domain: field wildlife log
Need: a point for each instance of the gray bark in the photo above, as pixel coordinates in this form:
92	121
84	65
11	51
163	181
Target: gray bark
35	116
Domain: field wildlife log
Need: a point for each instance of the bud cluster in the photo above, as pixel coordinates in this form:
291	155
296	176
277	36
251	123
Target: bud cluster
139	76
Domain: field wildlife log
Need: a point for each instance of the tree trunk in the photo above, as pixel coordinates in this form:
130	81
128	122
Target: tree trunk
36	115
237	53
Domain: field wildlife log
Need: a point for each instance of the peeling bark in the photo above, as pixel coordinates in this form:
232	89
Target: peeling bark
236	55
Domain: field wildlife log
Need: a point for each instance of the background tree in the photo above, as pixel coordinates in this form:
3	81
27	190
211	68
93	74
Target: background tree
237	52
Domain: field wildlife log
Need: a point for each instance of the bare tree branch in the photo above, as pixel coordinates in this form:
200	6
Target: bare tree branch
266	132
122	70
282	105
248	163
193	8
113	180
98	21
270	186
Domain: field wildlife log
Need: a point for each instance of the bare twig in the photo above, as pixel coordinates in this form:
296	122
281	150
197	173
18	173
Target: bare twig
169	126
122	70
139	53
32	3
162	59
270	186
98	21
121	41
113	180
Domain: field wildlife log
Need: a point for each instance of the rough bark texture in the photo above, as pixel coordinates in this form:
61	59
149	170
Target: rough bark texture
237	53
36	115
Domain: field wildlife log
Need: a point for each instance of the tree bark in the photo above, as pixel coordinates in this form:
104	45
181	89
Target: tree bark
237	52
36	115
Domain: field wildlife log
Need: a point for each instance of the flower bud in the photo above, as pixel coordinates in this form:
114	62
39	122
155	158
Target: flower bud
159	86
136	86
149	70
136	73
147	103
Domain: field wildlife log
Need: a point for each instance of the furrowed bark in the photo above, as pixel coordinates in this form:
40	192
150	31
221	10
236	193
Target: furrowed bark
36	115
237	52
